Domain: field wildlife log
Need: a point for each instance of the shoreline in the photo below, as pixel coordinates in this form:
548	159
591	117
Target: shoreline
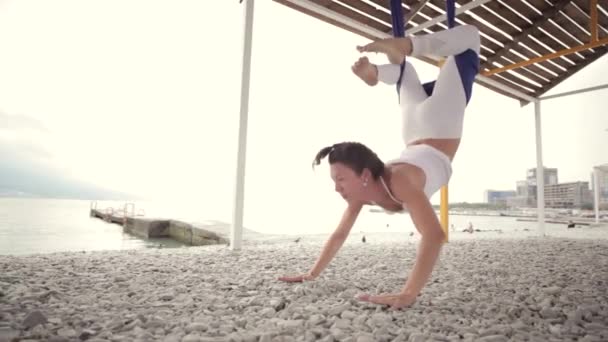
372	235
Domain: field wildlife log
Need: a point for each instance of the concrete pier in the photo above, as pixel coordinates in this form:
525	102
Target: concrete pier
154	228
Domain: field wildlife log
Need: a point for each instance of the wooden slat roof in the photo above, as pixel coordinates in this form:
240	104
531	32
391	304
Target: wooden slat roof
512	31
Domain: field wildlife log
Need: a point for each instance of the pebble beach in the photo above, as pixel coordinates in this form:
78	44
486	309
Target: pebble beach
492	289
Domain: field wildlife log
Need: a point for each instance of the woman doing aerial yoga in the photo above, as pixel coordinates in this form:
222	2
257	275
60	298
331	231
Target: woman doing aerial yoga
433	116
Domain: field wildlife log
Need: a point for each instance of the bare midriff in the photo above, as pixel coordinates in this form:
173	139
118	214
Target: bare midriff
447	146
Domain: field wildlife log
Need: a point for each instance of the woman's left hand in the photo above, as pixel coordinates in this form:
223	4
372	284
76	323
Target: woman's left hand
395	300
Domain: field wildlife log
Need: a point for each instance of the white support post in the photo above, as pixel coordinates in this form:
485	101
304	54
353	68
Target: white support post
236	230
596	193
574	92
540	172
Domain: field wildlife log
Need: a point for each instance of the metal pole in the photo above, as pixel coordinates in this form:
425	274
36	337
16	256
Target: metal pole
540	173
580	91
444	212
236	230
596	193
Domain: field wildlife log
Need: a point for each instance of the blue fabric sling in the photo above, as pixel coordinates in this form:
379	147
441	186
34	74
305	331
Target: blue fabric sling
467	61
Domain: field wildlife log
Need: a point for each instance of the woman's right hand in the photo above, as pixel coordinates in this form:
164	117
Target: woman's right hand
297	279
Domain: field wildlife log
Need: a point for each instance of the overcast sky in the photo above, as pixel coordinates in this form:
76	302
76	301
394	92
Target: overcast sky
143	97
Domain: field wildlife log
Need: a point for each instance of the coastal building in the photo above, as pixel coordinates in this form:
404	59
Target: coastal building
568	195
564	195
549	173
526	189
525	195
498	197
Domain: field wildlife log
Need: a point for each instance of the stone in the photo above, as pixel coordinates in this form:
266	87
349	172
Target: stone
8	334
33	319
493	338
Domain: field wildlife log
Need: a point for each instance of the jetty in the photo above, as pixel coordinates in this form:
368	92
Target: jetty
557	221
144	227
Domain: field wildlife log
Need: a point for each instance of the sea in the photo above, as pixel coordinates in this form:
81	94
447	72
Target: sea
32	226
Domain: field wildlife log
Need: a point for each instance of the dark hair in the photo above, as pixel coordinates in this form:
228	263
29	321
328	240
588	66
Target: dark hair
354	155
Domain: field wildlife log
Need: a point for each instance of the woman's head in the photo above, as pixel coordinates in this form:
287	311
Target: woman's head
352	165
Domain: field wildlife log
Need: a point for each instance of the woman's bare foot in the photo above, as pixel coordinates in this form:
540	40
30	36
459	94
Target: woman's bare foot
366	71
394	48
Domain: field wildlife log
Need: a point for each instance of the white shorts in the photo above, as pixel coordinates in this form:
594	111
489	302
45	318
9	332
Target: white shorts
436	166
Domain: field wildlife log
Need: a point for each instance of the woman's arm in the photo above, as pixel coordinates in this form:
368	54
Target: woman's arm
428	225
337	238
332	245
407	187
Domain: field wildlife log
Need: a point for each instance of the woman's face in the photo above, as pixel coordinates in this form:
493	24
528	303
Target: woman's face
348	184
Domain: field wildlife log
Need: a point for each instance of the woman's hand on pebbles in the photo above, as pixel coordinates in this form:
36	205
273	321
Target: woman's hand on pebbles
395	300
297	279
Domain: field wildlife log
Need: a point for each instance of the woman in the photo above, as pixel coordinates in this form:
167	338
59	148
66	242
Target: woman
432	128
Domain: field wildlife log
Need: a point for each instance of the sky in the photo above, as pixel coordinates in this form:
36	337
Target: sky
142	97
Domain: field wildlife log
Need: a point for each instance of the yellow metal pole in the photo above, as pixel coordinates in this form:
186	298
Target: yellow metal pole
593	21
444	211
592	45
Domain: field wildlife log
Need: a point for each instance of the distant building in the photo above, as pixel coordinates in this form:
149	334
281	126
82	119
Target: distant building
565	195
526	189
568	195
525	195
550	176
498	196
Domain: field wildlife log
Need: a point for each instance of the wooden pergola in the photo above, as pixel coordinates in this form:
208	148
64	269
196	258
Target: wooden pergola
527	48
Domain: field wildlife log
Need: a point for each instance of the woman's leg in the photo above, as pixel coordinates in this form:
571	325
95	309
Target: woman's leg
462	41
446	43
448	92
411	91
443	43
455	81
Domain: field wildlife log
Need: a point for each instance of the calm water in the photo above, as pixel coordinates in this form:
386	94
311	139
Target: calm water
42	226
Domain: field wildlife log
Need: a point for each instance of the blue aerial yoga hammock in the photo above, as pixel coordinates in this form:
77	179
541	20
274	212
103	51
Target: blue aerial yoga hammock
467	62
